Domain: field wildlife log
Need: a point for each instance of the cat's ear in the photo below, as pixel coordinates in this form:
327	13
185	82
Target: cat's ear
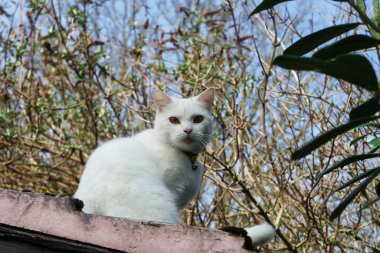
161	99
207	97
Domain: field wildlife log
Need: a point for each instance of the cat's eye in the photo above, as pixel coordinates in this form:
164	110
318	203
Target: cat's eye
198	119
174	120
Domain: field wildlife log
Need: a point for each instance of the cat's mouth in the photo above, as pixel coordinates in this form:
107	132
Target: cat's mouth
188	140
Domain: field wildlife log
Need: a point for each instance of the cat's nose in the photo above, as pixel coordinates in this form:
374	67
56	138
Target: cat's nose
188	131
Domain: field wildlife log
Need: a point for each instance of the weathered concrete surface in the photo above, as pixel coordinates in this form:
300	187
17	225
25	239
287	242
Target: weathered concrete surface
60	217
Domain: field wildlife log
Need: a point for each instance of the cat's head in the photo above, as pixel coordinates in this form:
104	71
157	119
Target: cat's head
185	123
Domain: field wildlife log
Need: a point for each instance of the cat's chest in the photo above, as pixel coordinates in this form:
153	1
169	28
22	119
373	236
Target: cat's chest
181	177
175	166
172	162
179	174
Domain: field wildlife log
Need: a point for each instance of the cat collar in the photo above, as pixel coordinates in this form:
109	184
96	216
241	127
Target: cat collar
193	160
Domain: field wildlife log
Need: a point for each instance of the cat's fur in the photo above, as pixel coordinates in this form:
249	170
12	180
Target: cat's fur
153	175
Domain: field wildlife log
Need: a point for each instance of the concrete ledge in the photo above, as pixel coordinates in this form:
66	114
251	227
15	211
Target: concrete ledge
61	217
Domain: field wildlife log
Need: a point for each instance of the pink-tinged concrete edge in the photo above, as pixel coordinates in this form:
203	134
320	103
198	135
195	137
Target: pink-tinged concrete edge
58	217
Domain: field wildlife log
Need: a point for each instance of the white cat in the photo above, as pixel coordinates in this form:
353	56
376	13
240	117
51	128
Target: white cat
154	174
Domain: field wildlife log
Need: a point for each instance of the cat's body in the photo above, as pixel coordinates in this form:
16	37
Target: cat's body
163	184
154	174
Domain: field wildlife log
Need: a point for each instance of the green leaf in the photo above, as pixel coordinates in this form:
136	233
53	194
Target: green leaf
374	33
329	135
376	10
355	69
350	197
346	161
378	189
357	139
266	4
368	204
311	41
375	143
361	5
368	108
299	63
374	149
362	136
346	45
359	177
